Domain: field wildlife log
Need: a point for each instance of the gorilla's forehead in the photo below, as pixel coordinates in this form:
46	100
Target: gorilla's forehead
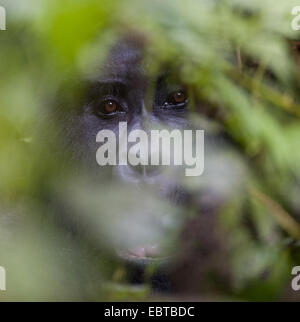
124	64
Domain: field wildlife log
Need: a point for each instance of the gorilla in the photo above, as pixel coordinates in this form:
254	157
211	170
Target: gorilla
142	213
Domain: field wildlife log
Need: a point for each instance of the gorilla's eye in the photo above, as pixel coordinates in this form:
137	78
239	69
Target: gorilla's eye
177	99
109	107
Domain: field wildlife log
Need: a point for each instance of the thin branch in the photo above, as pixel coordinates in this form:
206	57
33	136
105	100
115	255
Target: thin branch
285	220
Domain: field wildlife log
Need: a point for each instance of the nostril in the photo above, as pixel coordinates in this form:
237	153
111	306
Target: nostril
138	169
152	170
146	170
139	165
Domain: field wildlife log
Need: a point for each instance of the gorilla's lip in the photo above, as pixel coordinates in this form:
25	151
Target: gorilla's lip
142	254
149	251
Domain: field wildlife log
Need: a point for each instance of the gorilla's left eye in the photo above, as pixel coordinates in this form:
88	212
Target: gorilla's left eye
108	107
177	99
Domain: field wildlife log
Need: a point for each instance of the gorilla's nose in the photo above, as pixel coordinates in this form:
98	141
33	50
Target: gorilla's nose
139	171
145	171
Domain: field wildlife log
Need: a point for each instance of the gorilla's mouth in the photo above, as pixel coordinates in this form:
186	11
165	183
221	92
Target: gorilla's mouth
149	251
157	250
142	254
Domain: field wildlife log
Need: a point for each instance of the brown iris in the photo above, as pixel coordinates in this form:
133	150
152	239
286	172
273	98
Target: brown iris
176	100
110	106
179	97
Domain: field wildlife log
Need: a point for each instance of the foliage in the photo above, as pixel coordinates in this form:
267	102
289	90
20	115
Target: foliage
236	56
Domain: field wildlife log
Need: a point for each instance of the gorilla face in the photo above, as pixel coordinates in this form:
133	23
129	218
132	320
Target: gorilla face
141	214
123	91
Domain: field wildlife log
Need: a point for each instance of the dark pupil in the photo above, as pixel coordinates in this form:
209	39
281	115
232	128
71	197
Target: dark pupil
110	106
179	97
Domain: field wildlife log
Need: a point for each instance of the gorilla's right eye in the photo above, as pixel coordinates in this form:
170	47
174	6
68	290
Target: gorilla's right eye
176	100
109	107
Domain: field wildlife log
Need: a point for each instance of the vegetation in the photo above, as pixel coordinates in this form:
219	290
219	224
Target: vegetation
240	61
